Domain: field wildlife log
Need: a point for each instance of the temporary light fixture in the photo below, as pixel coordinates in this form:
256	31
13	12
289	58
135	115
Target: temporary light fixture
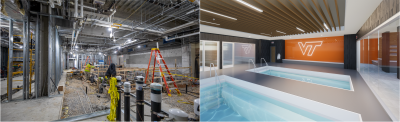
99	53
20	46
129	40
280	32
119	47
111	35
109	29
326	26
139	46
70	52
209	22
300	29
115	51
218	14
251	6
76	46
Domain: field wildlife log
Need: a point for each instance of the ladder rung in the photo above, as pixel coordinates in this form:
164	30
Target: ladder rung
172	88
168	82
169	75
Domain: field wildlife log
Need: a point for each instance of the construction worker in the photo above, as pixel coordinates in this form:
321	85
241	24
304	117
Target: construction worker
87	70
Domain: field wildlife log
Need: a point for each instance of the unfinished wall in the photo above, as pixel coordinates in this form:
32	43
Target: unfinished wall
141	60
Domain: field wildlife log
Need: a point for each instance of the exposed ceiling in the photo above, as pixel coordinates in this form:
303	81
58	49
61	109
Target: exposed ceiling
149	15
278	17
355	16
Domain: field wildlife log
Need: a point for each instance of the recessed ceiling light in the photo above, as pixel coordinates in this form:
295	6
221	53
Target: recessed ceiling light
280	32
218	14
300	29
209	22
251	6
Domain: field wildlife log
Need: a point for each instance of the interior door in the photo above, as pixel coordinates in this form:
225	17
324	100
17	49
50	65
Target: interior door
273	56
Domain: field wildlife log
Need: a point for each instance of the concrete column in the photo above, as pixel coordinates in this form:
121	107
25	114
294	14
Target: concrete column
10	59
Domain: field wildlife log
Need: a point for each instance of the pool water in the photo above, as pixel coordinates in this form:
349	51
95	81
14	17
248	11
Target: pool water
233	103
310	79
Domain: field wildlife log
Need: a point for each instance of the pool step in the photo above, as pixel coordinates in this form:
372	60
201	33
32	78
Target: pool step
211	104
261	110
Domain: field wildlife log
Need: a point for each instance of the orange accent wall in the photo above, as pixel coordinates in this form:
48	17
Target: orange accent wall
372	46
331	49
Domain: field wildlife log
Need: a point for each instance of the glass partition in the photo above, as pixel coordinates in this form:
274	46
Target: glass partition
379	65
244	52
227	54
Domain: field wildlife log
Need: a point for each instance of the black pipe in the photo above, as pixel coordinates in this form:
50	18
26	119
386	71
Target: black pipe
119	106
127	109
139	100
155	101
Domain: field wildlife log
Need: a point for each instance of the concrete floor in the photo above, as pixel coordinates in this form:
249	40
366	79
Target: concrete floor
41	109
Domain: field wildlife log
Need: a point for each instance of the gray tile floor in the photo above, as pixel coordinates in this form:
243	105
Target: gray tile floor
362	100
384	85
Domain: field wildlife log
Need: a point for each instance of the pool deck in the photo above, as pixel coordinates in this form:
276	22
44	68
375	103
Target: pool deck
362	100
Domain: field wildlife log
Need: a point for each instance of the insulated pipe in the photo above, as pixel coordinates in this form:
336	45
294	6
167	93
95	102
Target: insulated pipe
139	99
76	9
81	8
51	3
155	101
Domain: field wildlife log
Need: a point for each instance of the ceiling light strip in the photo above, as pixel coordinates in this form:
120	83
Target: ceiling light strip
218	14
326	26
280	32
300	29
209	22
251	6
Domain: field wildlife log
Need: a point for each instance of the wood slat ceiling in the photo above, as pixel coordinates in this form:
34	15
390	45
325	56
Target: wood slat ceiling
278	15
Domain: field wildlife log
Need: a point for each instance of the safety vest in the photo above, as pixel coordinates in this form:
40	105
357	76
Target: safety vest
87	69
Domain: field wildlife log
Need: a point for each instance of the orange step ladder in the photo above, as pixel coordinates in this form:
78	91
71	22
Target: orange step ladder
156	58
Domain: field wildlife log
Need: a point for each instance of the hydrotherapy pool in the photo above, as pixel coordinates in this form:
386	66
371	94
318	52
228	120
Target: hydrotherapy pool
238	100
320	78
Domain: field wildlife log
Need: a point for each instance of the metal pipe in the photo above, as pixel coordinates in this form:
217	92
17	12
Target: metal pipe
37	53
10	59
195	33
127	87
26	50
88	7
196	22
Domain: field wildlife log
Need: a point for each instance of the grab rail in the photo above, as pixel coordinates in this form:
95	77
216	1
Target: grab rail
217	82
264	61
253	64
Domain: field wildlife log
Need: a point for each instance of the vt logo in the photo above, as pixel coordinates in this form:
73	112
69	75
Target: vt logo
309	47
246	48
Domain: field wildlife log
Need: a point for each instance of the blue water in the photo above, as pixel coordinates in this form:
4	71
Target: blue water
310	79
233	103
